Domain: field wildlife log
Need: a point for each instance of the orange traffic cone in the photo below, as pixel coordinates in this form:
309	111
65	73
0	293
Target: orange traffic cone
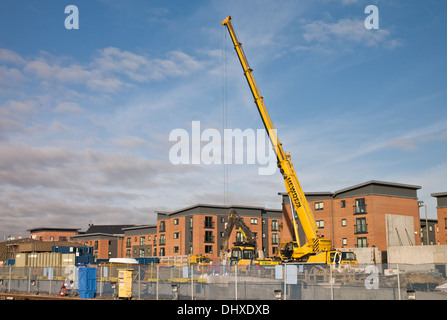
64	290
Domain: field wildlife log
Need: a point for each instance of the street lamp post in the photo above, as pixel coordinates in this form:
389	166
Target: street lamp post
421	204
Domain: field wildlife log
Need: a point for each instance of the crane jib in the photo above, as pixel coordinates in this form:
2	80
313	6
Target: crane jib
292	193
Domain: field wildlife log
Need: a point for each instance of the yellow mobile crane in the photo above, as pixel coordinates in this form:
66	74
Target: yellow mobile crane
316	249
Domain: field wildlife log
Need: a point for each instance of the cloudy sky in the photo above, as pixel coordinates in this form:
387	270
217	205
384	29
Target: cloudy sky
86	114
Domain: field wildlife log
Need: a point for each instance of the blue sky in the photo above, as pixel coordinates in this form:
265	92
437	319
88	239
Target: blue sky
85	115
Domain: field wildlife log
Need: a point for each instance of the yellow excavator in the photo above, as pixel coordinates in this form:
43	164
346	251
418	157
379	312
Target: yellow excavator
315	248
244	250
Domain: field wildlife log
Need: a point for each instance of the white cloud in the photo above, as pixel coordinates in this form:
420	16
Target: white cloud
347	31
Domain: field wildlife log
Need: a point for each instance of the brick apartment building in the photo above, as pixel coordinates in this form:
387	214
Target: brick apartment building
441	207
200	229
106	240
374	213
52	234
140	241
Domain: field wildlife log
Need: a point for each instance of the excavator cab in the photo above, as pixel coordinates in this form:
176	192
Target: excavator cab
242	255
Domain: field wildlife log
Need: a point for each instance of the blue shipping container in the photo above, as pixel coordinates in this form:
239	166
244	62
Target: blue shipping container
87	282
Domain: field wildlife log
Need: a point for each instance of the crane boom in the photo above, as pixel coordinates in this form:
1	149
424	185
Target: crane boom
314	243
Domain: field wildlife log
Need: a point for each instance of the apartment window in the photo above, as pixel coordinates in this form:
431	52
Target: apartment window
343	222
208	249
175	221
128	242
318	205
51	238
275	238
176	249
162	239
360	226
190	236
361	243
142	241
209	237
239	237
343	203
275	226
96	245
209	222
162	226
155	240
128	253
162	252
141	253
254	221
176	235
155	252
344	241
320	224
190	222
360	206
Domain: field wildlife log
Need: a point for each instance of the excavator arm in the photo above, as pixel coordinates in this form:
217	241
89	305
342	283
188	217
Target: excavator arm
300	205
235	221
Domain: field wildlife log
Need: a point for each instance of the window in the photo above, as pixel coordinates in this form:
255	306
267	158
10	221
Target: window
343	222
176	235
162	252
275	226
209	222
275	238
96	245
176	249
343	203
360	206
162	226
254	221
360	225
209	237
128	242
190	222
141	253
239	237
142	241
361	243
318	205
175	221
128	253
162	239
208	249
155	240
344	241
320	224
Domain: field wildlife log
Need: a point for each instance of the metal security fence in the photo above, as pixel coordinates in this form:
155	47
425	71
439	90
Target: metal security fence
284	282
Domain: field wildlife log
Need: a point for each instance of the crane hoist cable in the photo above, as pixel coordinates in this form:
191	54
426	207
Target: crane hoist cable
224	113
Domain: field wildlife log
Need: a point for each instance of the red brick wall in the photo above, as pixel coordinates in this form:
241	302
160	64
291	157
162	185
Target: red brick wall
46	235
442	227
